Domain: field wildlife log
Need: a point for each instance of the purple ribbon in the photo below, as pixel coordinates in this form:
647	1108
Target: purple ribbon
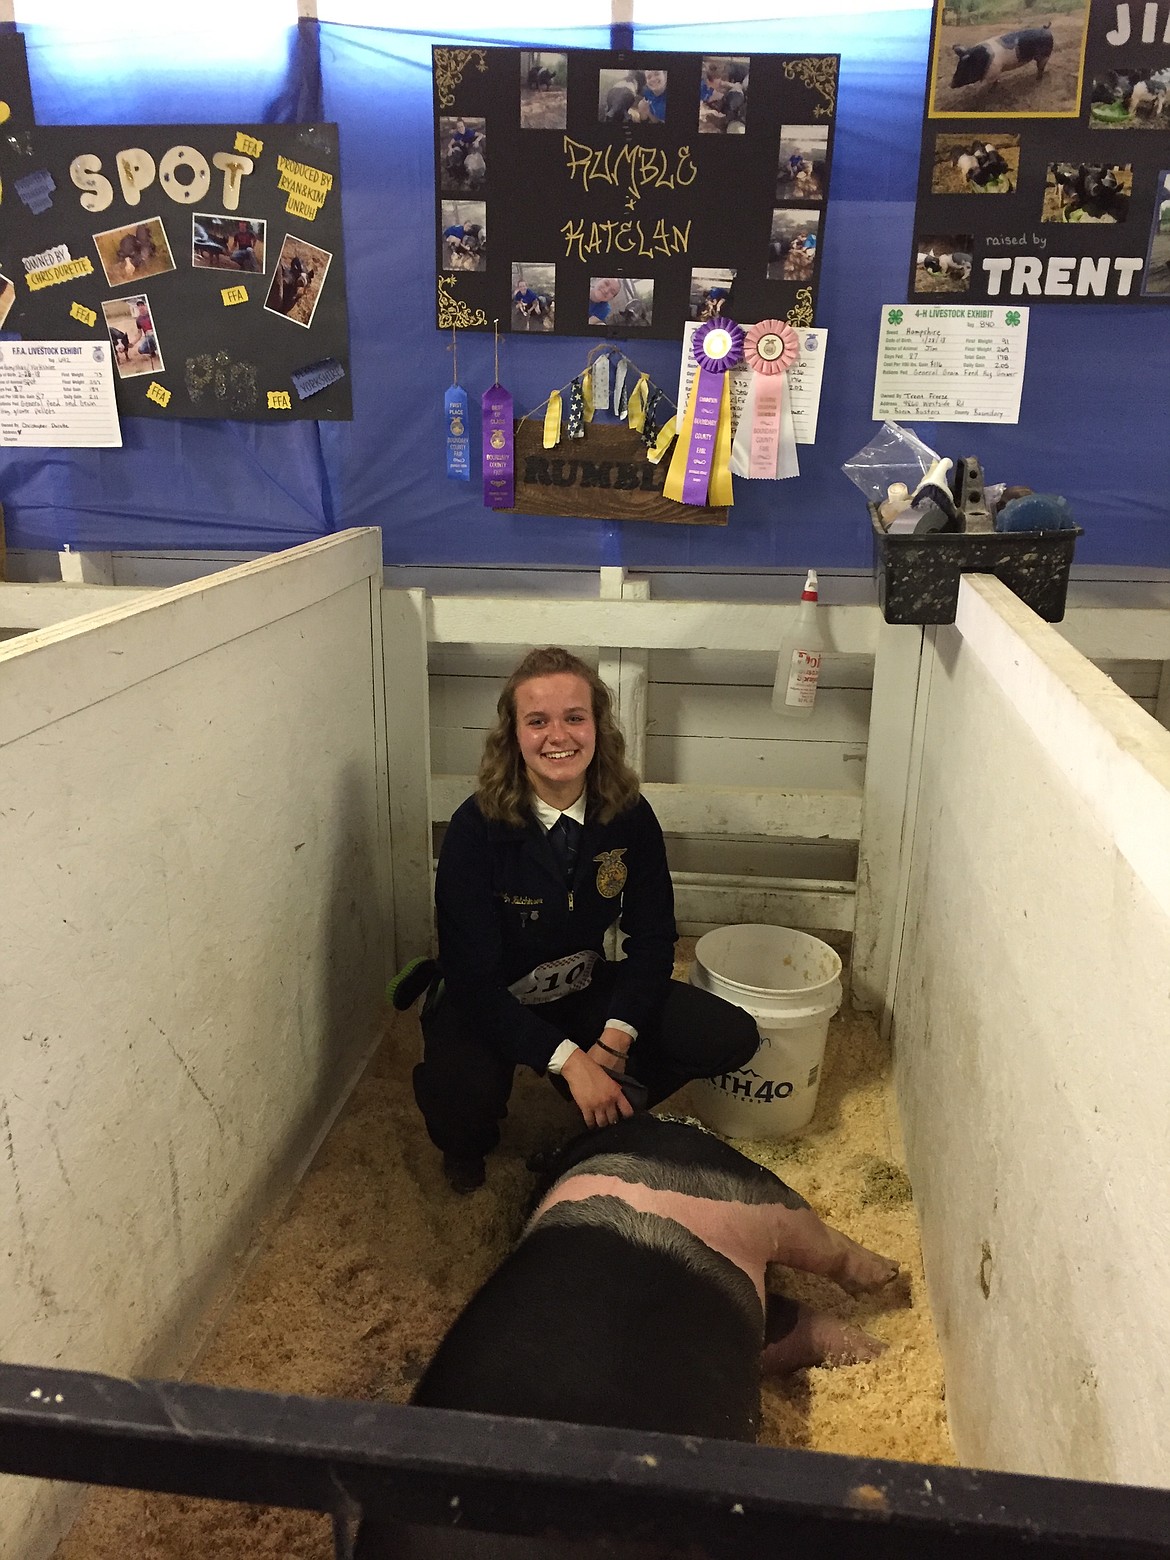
499	490
718	346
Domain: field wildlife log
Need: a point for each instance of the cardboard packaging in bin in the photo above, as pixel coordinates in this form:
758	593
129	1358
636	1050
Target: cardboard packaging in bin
918	576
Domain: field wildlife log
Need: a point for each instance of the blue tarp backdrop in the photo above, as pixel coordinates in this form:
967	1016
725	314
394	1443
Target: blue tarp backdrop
1093	423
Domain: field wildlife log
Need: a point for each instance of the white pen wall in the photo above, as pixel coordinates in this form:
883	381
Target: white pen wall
1031	1019
194	941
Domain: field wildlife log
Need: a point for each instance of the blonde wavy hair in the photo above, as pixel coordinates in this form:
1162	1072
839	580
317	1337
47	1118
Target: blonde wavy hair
502	791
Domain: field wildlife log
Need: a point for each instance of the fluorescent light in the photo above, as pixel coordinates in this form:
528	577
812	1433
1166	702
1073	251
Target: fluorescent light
465	18
210	16
661	13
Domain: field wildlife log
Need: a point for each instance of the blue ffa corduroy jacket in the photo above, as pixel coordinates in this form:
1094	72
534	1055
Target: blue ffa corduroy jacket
503	909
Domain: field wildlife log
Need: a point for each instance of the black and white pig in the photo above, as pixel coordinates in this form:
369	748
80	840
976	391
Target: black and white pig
1148	96
636	1298
984	63
653	1240
981	165
1092	188
622	96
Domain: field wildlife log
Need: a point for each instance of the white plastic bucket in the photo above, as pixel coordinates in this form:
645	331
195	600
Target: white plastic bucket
791	985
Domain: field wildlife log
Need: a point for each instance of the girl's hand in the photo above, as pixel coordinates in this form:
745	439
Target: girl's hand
596	1095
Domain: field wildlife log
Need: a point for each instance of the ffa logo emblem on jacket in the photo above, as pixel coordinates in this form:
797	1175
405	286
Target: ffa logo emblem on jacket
611	873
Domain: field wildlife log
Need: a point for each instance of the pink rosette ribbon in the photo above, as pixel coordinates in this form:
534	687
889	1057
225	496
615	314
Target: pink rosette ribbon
717	348
770	349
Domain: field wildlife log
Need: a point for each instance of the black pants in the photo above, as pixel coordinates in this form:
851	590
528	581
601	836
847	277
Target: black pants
463	1082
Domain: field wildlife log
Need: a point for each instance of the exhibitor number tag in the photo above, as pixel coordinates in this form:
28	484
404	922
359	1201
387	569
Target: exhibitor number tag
557	978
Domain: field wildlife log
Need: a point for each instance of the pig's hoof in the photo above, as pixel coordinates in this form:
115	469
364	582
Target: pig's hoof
865	1272
819	1339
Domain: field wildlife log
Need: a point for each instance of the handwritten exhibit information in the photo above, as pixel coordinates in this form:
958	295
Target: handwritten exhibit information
941	363
802	382
57	395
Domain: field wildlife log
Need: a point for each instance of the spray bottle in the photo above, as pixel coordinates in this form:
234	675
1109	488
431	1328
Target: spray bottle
799	666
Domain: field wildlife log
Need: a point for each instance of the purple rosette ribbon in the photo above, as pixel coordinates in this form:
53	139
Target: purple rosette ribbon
718	347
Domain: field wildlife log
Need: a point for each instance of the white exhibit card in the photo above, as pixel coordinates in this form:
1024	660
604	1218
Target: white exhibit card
803	380
950	363
57	395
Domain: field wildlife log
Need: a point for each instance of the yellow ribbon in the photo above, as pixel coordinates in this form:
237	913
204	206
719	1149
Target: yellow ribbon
636	406
587	393
719	493
662	443
552	421
719	490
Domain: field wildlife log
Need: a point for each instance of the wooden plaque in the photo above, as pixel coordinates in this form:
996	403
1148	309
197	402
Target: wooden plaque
604	476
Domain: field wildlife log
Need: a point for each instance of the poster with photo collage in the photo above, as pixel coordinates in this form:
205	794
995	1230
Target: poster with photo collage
208	258
590	192
1045	171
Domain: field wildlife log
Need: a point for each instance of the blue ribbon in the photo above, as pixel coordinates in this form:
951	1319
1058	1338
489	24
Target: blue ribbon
458	438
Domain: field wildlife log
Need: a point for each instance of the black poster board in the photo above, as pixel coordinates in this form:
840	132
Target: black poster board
599	192
1045	171
16	104
210	257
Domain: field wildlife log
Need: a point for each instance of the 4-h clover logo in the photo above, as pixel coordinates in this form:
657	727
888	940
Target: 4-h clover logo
894	317
1012	317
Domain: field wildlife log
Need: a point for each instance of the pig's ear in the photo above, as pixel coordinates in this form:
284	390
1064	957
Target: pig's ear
958	49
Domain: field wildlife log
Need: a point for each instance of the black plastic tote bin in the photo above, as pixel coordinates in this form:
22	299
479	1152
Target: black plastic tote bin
918	576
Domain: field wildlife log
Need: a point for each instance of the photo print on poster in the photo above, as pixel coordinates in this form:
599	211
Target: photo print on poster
1087	192
228	243
976	165
534	297
710	293
462	153
133	337
1157	278
544	93
621	302
801	173
1016	65
134	252
464	235
1129	98
7	297
634	96
793	244
723	92
944	263
297	280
